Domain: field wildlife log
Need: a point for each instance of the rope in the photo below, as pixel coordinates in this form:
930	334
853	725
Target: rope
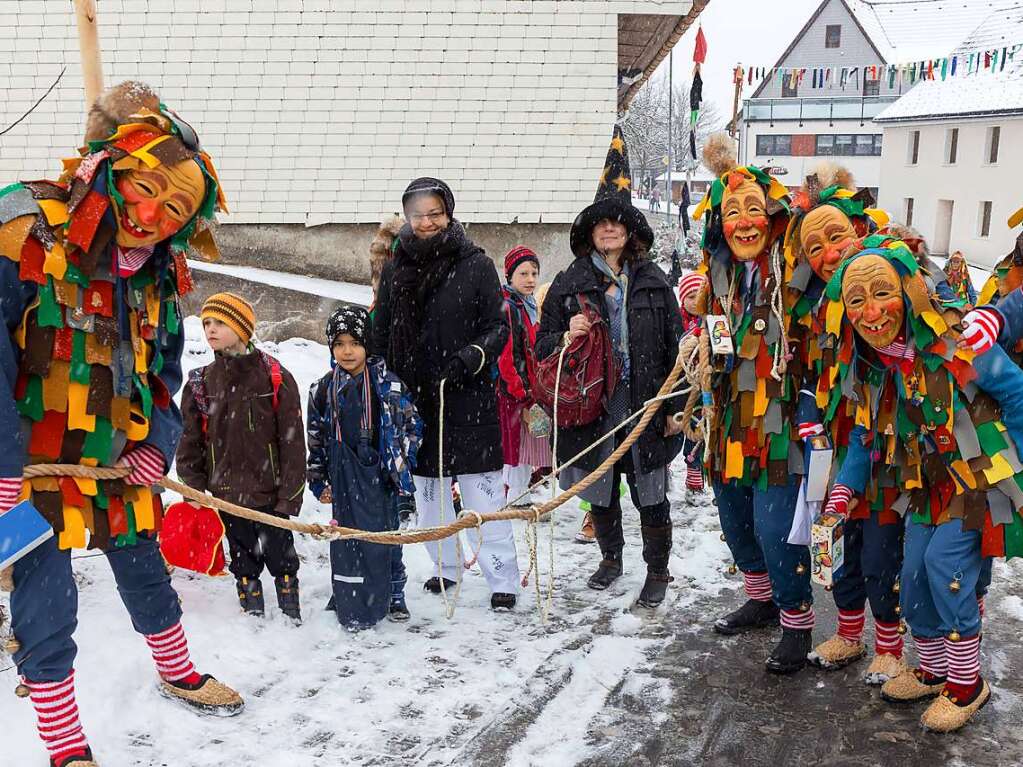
396	537
781	349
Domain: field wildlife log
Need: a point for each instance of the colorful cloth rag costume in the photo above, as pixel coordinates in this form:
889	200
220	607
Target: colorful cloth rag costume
100	336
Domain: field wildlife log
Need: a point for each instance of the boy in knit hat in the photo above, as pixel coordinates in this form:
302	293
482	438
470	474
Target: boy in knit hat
243	443
364	434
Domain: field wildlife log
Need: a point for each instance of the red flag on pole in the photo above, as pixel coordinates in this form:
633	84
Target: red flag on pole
700	52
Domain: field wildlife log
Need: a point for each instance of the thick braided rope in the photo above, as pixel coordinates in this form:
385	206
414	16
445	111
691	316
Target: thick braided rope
393	537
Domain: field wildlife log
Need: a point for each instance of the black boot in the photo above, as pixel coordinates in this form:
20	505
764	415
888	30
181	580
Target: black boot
656	552
607	525
502	601
790	654
433	585
287	596
398	610
752	615
250	595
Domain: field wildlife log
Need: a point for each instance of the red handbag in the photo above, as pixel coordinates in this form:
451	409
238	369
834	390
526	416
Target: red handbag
589	373
192	538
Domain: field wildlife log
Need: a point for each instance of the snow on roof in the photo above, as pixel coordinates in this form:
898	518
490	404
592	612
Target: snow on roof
699	174
982	93
905	31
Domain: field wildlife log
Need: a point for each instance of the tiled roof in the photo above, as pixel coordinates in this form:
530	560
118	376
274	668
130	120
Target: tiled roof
983	93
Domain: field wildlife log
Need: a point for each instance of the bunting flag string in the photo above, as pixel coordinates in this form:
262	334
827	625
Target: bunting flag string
893	75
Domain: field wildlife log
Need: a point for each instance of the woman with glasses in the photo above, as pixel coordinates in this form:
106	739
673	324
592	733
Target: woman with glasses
440	324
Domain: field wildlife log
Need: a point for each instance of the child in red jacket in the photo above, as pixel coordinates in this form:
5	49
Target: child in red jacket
525	447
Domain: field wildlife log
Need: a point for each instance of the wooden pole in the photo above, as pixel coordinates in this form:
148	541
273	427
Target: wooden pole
88	42
737	79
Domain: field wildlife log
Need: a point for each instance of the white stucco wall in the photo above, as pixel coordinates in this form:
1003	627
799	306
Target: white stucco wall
967	183
321	111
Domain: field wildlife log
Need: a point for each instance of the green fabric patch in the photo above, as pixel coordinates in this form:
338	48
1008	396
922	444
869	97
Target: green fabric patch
100	442
992	441
49	314
31	405
145	394
80	369
129	538
11	188
1014	537
74	275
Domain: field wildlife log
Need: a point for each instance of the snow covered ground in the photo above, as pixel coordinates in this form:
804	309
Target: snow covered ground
349	292
422	693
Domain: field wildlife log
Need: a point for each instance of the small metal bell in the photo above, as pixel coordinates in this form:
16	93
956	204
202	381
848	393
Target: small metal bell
828	588
897	587
898	610
732	569
902	629
954	586
722	536
954	636
22	691
804	606
760	326
11	645
800	568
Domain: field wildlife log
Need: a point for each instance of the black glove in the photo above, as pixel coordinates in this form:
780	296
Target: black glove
455	371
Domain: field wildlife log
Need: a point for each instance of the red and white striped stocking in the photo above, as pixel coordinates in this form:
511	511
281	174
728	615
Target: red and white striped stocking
57	717
963	666
887	639
850	625
758	586
931	652
170	652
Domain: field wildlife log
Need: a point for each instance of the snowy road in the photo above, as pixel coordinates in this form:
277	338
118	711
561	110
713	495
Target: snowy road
599	685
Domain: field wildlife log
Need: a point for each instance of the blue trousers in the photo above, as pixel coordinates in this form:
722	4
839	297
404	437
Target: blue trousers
873	560
398	575
44	603
934	557
756	524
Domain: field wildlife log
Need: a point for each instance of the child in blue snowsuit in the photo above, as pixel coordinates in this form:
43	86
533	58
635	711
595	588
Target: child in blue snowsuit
363	434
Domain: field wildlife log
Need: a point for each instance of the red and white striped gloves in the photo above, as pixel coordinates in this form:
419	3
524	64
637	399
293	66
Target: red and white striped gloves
807	430
10	489
981	329
146	464
838	501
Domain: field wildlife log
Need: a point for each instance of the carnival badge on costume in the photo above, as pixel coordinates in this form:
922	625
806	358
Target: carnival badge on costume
827	549
720	334
22	529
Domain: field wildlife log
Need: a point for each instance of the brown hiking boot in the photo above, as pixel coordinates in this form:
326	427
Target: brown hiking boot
836	652
885	666
207	695
910	686
947	714
586	534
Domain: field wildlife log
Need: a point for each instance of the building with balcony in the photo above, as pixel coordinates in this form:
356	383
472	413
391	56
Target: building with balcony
953	150
845	59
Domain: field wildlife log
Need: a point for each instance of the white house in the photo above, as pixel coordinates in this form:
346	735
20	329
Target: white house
843	57
953	150
319	112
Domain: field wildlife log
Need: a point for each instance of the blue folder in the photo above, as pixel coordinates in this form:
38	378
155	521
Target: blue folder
21	530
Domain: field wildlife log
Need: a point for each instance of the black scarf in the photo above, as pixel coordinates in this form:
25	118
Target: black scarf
419	269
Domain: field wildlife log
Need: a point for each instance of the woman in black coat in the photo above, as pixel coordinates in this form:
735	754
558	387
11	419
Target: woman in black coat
610	240
439	318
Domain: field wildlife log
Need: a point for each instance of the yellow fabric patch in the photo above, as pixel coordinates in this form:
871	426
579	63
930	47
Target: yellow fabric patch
913	480
45	484
988	291
1000	469
143	153
55	210
86	486
127	163
962	471
96	353
145	519
55	387
120	413
73	535
77	399
733	460
56	262
760	399
13	235
138	425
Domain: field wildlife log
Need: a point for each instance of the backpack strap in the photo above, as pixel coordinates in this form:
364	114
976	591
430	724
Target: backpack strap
273	367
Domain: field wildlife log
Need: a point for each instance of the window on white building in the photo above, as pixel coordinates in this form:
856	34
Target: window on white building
833	36
871	87
951	146
908	211
789	87
774	145
913	150
984	219
825	144
994	137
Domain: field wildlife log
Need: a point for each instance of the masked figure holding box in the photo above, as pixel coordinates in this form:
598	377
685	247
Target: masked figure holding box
92	267
936	434
828	216
756	452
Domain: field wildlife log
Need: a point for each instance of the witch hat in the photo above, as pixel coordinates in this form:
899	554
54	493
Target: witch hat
612	201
